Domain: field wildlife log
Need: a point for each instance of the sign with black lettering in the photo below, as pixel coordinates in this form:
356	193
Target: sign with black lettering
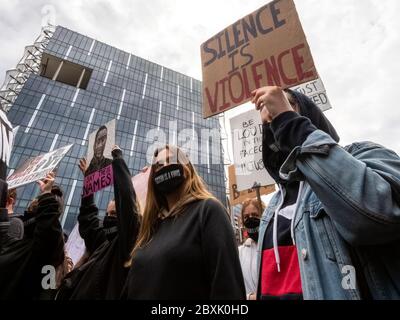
37	168
315	90
238	197
267	47
247	151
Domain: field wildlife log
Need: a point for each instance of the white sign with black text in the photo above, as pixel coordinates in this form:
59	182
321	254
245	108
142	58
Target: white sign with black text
247	151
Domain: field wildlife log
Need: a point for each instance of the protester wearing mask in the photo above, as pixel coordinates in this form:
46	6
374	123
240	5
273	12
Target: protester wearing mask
21	261
252	210
108	243
342	204
186	248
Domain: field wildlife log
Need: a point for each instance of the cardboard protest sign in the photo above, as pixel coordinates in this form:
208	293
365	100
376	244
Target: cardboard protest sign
267	47
247	151
75	246
36	168
315	90
140	183
238	197
99	173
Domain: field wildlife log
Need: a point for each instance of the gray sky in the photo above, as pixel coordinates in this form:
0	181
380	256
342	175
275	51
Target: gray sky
354	43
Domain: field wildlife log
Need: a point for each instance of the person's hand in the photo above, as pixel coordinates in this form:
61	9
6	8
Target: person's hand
47	183
83	165
251	296
116	151
271	102
144	170
116	148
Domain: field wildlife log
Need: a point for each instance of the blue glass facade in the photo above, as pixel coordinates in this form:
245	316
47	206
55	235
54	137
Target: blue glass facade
141	95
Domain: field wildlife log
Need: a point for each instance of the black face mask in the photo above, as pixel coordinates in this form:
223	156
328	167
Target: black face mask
110	226
252	225
169	178
109	222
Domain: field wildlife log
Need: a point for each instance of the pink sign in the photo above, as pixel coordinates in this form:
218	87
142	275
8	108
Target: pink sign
98	180
140	182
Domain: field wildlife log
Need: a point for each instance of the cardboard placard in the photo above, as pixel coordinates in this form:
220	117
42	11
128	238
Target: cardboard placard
36	168
247	151
238	197
99	174
267	47
316	91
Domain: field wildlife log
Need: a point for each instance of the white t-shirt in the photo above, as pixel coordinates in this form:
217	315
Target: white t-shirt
248	261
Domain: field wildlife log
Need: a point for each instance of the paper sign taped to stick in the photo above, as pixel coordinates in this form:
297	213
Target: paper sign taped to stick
238	197
99	174
37	168
315	90
247	151
267	47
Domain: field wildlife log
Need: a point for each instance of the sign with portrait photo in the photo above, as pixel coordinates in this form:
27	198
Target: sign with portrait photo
99	174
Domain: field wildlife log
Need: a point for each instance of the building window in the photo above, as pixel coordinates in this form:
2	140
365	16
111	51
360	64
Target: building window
64	71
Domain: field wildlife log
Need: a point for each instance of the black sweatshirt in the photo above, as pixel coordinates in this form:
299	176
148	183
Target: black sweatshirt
21	261
192	256
104	275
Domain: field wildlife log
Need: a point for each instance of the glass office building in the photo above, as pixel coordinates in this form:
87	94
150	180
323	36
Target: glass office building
67	85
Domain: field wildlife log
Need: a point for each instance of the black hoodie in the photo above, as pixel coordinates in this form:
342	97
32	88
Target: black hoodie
103	276
290	130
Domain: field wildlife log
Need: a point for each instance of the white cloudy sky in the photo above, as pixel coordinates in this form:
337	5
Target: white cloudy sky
354	43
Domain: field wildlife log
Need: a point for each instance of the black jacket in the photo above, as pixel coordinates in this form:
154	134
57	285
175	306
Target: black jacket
193	256
21	261
104	275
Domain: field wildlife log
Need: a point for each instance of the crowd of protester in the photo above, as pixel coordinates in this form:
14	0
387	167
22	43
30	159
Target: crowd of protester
332	231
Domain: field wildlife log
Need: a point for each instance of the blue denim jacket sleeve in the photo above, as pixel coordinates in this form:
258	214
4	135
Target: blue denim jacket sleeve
358	188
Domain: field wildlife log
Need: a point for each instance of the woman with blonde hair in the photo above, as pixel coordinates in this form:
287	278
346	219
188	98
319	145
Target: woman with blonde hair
186	247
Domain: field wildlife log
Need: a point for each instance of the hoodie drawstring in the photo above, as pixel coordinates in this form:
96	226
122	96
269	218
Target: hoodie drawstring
275	229
301	187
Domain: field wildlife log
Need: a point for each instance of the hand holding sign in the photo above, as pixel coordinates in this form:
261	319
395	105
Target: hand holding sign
47	183
83	165
271	101
116	150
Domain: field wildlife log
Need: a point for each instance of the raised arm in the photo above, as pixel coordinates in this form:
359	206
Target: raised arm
125	202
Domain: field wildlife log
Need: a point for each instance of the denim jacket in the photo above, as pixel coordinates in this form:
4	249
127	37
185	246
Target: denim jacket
348	211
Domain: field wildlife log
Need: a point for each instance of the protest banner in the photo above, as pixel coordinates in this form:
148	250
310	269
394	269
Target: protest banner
267	47
36	168
238	197
247	151
99	174
140	183
315	90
